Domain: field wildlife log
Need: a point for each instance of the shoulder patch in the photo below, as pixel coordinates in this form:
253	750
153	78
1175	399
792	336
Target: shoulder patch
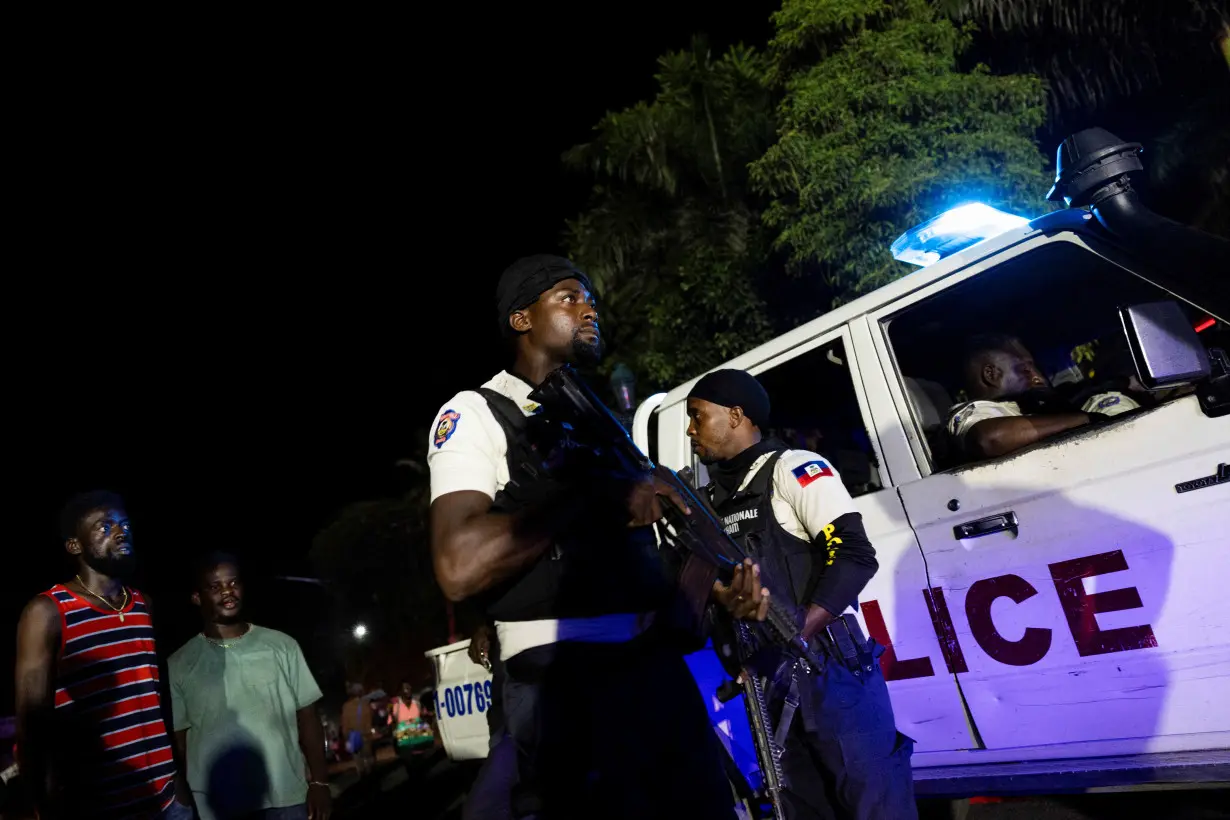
809	472
446	426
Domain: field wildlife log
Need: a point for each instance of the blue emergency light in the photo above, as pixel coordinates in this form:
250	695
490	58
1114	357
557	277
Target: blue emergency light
954	230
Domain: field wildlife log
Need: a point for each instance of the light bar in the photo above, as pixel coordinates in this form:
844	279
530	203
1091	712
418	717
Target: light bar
952	231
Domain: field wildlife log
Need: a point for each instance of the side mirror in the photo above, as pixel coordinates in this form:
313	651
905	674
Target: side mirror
1165	348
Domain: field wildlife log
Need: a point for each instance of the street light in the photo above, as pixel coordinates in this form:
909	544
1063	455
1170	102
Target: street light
360	631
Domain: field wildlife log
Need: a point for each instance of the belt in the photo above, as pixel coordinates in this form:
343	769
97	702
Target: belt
518	636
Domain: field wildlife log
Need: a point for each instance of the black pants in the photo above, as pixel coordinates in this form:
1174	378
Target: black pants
490	796
844	757
611	731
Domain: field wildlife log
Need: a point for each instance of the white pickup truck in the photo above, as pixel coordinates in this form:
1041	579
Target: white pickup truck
1056	618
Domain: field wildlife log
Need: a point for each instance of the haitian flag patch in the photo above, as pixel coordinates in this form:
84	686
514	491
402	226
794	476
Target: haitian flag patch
809	472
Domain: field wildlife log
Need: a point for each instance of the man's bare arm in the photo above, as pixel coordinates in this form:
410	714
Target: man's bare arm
38	644
473	548
998	437
312	743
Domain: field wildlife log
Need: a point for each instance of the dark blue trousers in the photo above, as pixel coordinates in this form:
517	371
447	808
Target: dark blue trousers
611	732
844	757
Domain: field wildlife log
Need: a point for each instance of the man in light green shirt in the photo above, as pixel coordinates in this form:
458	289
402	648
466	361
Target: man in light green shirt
243	705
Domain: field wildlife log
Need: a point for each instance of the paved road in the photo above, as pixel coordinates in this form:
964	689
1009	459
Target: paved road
430	787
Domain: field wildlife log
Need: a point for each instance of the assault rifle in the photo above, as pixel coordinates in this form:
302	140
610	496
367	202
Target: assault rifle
585	421
759	721
581	420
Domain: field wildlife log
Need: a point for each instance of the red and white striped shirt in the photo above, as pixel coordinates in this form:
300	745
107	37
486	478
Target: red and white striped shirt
111	735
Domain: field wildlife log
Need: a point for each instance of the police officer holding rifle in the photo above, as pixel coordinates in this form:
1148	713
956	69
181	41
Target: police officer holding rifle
842	756
563	560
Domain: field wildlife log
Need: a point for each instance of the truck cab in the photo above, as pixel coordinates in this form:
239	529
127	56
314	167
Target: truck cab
1065	601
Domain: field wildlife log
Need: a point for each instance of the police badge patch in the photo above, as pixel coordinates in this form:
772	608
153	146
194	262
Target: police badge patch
446	426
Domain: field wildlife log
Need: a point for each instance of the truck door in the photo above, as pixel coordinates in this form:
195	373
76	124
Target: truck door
819	403
1084	576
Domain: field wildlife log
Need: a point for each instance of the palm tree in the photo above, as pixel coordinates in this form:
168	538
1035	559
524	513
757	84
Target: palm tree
670	226
1091	52
1154	71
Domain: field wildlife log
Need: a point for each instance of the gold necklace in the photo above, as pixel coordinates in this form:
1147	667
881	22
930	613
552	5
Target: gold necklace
233	641
119	609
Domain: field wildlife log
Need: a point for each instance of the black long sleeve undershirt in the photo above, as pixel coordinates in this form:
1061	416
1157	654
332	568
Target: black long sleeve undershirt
844	562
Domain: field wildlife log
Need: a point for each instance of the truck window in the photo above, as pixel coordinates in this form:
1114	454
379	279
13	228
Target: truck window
1061	301
814	407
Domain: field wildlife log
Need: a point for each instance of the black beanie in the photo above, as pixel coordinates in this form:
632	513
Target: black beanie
734	388
528	278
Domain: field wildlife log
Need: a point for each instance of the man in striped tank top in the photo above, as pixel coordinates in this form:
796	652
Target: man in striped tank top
91	737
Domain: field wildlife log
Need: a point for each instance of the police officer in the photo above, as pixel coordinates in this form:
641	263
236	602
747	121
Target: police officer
843	757
1012	405
606	720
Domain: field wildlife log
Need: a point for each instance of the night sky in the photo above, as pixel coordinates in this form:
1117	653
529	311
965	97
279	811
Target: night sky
253	256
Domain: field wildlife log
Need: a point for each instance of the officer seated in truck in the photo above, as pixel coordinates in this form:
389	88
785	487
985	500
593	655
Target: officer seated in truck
1012	405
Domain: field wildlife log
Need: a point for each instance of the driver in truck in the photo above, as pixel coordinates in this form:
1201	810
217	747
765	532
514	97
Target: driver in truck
1012	405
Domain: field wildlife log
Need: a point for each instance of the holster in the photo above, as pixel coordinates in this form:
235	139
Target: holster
850	646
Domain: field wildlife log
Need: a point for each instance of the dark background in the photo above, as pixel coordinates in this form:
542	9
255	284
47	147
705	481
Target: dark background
251	254
251	258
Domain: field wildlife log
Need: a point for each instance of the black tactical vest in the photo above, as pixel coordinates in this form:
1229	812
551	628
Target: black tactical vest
589	570
747	516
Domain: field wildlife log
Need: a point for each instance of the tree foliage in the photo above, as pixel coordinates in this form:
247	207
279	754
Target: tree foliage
375	556
879	129
857	124
1090	51
1153	72
672	235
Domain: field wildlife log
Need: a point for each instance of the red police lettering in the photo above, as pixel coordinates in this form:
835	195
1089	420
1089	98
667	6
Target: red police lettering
892	668
1080	607
1032	646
